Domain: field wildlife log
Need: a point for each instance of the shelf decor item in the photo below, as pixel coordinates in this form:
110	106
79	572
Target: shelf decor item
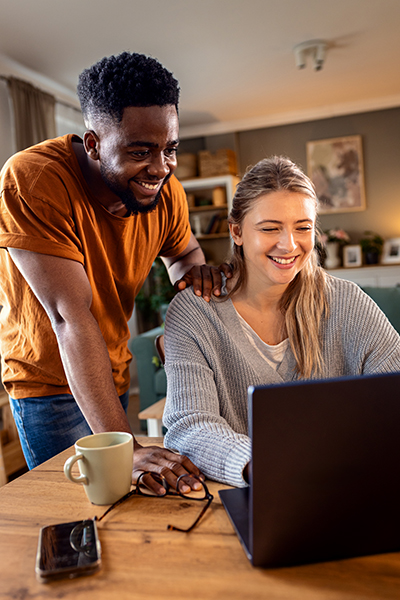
352	256
187	166
222	162
336	168
371	245
197	226
219	196
391	251
332	259
332	240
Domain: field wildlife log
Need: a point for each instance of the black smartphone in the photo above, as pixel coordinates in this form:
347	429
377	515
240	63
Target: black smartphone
68	550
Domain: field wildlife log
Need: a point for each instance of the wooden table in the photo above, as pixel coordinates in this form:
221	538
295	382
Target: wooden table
153	414
141	560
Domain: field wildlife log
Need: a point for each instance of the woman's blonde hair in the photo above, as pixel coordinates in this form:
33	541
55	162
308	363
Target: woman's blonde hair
304	302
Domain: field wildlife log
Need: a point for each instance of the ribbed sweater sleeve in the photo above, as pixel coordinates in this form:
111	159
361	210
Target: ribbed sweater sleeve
195	408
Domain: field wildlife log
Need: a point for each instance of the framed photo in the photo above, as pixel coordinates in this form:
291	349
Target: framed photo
352	256
336	168
391	251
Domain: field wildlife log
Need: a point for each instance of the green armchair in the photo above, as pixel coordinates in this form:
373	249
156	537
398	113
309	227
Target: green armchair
388	300
152	379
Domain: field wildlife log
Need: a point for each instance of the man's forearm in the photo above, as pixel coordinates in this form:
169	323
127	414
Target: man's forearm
88	370
179	268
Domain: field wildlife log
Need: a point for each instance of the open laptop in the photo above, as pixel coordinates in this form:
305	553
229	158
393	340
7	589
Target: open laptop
325	480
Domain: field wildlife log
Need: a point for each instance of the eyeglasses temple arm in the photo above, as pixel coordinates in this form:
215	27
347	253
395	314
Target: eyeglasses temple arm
210	498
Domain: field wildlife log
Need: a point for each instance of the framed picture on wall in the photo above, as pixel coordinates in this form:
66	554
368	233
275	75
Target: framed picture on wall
352	256
391	251
336	168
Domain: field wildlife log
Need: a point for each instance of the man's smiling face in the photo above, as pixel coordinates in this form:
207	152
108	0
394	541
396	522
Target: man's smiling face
138	155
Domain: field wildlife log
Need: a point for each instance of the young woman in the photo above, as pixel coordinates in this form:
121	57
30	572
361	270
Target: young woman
282	318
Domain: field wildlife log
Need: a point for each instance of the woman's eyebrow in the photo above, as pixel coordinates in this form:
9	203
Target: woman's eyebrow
277	222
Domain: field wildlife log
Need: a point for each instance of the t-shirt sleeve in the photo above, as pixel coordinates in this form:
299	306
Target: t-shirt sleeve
36	213
178	232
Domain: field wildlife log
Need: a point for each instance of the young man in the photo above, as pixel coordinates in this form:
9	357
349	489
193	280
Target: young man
81	222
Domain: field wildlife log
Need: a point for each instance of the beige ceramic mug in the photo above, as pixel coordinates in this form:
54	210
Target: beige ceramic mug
105	463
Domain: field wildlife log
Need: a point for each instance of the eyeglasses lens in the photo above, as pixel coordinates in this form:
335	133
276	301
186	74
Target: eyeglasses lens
144	483
187	485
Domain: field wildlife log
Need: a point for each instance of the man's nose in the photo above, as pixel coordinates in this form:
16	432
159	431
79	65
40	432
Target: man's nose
159	167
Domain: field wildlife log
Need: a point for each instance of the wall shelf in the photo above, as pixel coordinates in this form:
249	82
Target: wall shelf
370	275
216	243
229	182
212	236
208	208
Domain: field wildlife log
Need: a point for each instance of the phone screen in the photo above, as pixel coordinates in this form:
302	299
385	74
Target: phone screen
68	550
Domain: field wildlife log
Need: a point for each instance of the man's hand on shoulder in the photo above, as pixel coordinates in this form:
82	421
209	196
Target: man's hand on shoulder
166	463
206	280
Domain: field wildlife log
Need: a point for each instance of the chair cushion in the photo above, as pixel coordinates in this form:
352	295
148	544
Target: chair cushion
160	382
388	300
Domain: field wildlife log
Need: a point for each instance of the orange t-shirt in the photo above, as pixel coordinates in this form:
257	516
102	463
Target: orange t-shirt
47	207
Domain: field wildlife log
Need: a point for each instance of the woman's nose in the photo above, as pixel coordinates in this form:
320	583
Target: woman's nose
286	241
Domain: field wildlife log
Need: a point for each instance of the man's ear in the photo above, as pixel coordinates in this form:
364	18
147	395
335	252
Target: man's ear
91	144
236	233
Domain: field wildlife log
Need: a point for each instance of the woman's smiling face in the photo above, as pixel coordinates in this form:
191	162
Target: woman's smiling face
277	236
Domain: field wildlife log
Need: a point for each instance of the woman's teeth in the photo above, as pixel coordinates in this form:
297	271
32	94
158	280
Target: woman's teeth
283	261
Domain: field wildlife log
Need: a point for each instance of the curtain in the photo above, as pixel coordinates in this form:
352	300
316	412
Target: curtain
69	120
34	113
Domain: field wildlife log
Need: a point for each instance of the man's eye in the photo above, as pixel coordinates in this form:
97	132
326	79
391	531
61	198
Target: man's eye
171	151
141	154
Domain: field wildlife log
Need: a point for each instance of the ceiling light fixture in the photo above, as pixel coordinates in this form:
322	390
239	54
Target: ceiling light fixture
315	48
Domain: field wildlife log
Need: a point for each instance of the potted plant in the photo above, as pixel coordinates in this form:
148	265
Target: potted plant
163	289
153	299
332	240
371	246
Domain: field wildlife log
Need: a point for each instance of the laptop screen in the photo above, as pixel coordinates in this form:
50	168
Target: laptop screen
325	459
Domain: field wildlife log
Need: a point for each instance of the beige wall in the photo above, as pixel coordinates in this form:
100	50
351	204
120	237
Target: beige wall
380	132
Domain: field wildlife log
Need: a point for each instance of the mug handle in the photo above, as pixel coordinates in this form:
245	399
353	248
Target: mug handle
67	470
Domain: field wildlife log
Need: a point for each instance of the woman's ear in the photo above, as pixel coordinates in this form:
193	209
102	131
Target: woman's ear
236	233
91	144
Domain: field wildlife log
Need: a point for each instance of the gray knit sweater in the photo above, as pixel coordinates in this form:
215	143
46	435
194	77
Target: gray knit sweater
210	363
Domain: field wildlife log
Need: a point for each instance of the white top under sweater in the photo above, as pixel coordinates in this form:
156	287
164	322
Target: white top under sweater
210	363
271	354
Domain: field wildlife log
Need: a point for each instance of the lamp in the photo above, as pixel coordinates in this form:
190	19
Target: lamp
315	48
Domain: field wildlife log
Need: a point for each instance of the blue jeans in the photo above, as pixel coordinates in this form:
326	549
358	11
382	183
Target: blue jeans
48	425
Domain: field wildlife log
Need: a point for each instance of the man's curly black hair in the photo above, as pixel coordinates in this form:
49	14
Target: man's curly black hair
127	79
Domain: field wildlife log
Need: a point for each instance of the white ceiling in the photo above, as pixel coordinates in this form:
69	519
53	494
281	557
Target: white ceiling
234	58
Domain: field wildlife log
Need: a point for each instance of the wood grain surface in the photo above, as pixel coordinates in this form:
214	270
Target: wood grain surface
142	560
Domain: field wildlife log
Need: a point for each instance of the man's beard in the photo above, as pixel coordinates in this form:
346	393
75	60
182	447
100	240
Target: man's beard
126	196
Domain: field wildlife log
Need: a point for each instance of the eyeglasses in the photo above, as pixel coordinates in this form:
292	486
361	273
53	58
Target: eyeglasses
141	489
